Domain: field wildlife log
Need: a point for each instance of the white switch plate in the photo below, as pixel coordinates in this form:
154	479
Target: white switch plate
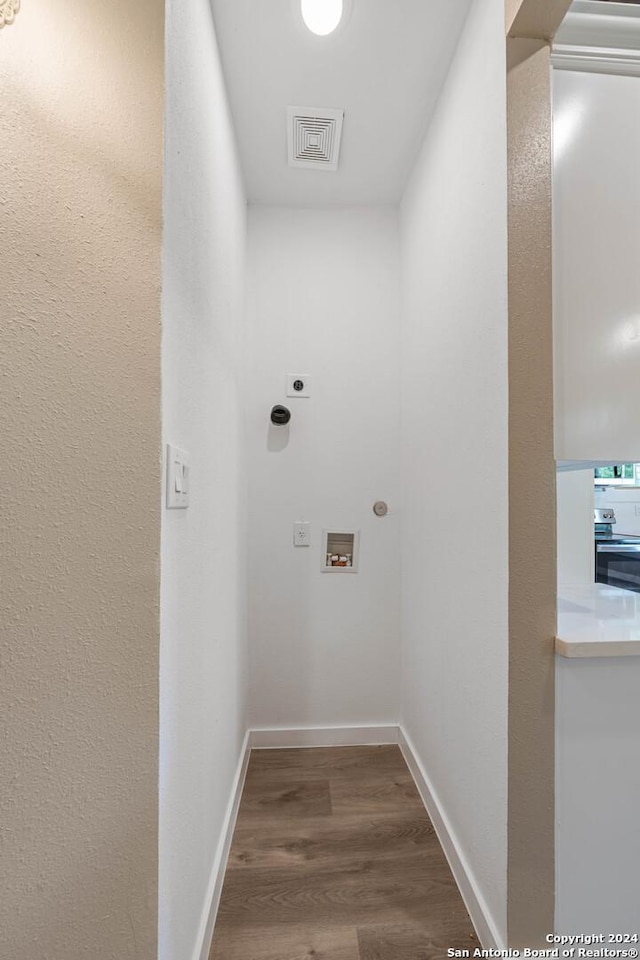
177	478
301	533
298	385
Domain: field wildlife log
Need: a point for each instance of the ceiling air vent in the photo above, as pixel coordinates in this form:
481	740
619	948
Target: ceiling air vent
314	137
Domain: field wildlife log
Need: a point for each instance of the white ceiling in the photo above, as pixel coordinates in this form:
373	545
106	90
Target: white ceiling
384	65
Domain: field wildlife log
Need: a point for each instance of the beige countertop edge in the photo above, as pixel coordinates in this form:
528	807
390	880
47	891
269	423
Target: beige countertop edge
597	648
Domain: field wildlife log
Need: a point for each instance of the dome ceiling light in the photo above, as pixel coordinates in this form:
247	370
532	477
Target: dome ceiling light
321	16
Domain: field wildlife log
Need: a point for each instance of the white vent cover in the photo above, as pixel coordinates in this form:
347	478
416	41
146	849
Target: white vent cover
314	137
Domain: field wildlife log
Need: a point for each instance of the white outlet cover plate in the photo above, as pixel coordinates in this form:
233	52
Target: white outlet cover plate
177	478
298	378
301	533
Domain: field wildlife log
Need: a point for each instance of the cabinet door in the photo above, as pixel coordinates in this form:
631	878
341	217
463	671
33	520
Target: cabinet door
597	266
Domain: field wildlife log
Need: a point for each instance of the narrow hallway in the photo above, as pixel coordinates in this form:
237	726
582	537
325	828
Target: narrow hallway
381	287
317	318
334	856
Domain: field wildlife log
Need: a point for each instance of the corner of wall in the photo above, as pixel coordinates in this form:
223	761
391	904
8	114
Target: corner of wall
204	579
454	455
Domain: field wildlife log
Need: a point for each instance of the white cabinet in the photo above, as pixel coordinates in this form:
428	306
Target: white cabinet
597	266
597	795
574	493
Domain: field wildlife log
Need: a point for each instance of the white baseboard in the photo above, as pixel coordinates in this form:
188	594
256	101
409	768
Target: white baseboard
263	738
477	908
214	889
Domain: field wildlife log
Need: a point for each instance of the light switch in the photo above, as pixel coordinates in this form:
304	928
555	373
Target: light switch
177	478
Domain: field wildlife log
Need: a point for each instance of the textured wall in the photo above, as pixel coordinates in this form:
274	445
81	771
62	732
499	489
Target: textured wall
80	153
203	647
534	18
323	295
454	455
532	493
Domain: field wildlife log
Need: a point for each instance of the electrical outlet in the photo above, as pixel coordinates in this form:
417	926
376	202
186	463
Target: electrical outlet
637	509
301	533
298	385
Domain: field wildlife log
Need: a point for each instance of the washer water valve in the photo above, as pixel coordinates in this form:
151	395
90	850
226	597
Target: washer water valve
280	415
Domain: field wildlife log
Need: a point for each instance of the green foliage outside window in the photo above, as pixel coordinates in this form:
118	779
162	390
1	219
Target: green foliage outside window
618	475
618	471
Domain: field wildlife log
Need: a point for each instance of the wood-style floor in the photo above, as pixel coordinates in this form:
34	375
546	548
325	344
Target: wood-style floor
335	858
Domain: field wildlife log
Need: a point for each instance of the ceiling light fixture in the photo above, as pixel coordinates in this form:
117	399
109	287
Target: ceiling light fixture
8	10
321	16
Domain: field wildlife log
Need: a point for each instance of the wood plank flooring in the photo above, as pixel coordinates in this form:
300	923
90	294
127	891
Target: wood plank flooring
334	858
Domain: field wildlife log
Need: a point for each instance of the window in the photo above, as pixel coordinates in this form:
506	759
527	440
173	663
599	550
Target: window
618	475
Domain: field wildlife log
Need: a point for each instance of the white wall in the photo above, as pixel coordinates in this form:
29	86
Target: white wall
596	278
597	290
597	795
626	504
574	495
203	643
323	294
454	454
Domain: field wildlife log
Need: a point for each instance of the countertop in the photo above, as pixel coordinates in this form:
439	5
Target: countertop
596	620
